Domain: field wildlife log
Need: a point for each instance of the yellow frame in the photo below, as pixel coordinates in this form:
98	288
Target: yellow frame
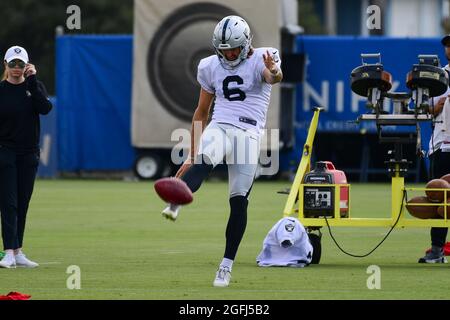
397	190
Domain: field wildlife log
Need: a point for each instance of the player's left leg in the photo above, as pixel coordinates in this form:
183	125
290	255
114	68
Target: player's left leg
241	174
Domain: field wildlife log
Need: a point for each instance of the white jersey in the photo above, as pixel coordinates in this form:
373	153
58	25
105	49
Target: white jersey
286	244
441	134
242	95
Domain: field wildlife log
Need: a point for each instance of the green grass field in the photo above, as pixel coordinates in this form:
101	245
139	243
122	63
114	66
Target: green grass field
114	232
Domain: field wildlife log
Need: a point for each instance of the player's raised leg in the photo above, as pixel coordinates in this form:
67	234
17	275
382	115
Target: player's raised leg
214	146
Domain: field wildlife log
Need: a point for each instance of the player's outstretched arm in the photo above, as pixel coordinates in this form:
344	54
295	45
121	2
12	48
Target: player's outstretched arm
272	73
200	116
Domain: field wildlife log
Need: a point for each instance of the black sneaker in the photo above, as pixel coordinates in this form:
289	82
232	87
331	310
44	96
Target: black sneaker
434	256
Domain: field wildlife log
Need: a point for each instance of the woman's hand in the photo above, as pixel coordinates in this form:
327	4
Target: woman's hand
30	70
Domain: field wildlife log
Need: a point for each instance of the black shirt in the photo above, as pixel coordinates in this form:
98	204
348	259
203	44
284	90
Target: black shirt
20	106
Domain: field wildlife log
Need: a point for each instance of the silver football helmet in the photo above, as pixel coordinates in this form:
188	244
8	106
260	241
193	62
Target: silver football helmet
232	32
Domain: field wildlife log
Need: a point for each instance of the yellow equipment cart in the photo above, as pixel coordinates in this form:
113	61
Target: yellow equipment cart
294	203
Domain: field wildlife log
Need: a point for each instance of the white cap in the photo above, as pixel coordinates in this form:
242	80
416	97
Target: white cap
16	52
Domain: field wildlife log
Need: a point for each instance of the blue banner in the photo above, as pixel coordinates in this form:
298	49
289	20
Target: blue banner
94	99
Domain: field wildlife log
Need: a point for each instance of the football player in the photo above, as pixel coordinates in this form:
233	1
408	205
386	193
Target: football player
238	78
439	155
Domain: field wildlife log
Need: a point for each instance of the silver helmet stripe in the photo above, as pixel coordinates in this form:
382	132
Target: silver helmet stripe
224	31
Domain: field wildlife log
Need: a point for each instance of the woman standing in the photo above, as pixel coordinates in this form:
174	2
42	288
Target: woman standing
22	100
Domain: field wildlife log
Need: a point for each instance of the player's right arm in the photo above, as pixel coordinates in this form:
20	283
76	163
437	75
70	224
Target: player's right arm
199	120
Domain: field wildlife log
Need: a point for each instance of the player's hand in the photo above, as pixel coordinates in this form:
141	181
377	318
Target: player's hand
184	167
30	69
270	63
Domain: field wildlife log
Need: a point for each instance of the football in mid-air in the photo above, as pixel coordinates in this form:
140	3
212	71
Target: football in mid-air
173	190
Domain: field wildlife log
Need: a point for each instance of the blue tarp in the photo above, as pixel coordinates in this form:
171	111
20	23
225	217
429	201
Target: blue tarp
94	99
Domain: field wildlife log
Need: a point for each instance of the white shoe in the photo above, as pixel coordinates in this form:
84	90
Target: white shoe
8	261
171	212
23	261
223	277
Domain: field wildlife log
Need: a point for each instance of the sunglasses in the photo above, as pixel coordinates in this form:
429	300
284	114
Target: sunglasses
14	63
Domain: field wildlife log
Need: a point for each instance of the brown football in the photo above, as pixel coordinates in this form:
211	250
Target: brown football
173	190
436	196
446	177
421	212
440	210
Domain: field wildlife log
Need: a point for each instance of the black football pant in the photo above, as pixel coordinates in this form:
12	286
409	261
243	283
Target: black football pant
17	175
440	166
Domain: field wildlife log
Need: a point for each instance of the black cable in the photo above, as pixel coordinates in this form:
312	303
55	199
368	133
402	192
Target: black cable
385	237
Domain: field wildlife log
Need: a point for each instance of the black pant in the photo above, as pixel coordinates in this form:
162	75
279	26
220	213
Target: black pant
17	175
440	166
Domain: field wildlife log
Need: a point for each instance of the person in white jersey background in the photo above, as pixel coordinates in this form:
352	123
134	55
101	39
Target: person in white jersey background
238	79
439	155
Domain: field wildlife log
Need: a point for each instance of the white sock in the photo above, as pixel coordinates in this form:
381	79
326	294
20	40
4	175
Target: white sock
174	207
227	263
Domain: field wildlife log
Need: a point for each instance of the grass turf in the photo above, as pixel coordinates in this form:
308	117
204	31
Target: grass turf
114	232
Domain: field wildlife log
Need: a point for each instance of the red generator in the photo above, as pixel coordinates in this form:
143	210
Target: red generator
319	201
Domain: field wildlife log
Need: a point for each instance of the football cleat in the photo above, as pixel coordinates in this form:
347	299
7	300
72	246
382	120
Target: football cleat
171	211
434	256
223	277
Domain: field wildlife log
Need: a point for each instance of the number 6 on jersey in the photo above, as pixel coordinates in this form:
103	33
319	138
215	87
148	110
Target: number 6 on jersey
234	94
